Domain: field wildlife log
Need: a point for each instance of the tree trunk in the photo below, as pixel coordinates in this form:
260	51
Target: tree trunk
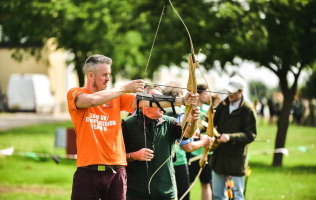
283	119
113	79
79	69
283	124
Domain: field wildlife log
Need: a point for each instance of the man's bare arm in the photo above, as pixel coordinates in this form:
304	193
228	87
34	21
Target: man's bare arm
98	98
195	115
205	141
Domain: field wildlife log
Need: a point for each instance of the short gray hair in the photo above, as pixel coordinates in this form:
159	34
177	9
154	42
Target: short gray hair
93	61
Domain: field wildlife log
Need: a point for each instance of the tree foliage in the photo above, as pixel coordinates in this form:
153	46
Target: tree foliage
279	35
81	27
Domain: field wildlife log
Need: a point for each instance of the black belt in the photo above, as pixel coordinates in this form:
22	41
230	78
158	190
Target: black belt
103	167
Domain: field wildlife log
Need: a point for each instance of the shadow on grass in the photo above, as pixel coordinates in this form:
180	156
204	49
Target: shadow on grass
299	169
62	161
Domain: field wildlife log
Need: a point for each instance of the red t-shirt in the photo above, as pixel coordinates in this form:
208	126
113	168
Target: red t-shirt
98	129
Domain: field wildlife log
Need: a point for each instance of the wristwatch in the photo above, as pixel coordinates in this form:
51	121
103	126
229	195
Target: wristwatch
129	157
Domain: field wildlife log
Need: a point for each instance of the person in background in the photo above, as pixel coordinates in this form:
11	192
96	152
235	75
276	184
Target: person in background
312	112
206	175
181	164
146	151
298	110
270	104
235	120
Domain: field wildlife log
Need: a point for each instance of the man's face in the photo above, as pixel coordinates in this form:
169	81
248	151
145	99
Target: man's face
235	96
153	113
102	77
205	98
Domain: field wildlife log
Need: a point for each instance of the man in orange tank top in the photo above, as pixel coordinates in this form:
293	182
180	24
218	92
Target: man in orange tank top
95	113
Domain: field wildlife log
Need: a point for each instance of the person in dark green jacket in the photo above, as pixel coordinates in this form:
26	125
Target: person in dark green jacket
235	120
181	167
146	151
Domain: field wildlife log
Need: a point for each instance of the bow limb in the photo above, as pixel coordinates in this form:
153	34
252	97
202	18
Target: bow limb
255	102
210	131
191	86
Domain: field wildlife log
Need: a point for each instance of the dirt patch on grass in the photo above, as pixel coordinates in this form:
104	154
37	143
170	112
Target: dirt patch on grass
32	190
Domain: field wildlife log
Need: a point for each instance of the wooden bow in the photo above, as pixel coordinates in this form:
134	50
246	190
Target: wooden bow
210	131
192	87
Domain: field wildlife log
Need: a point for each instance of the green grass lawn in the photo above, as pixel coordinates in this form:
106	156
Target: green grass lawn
25	178
295	180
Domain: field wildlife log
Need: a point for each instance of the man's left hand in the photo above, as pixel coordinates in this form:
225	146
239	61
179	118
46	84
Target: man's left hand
195	114
190	98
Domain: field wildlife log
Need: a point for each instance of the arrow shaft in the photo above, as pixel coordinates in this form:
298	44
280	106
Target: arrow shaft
185	88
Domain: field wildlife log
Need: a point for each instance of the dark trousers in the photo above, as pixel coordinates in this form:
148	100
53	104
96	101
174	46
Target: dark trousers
182	180
136	198
92	185
206	175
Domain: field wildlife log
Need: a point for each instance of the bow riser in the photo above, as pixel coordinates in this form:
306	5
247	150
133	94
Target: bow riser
215	144
185	120
192	87
210	132
210	127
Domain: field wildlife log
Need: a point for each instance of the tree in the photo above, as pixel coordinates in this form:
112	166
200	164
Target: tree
22	25
80	27
282	38
278	35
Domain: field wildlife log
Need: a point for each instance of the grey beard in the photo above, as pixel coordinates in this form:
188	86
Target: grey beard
96	86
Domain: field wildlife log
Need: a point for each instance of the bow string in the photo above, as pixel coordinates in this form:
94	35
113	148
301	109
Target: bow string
144	125
210	131
192	87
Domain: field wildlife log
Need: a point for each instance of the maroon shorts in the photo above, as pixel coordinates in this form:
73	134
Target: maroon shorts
89	184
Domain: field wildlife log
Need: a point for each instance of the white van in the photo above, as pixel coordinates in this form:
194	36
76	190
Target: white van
30	92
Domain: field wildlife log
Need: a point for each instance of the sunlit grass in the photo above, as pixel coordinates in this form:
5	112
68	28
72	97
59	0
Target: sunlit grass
292	181
31	179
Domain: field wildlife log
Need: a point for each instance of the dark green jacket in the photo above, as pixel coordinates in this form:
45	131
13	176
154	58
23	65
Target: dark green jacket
162	185
231	158
169	111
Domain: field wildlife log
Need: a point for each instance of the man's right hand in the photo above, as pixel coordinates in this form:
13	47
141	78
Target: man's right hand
224	138
143	155
134	86
197	133
207	140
